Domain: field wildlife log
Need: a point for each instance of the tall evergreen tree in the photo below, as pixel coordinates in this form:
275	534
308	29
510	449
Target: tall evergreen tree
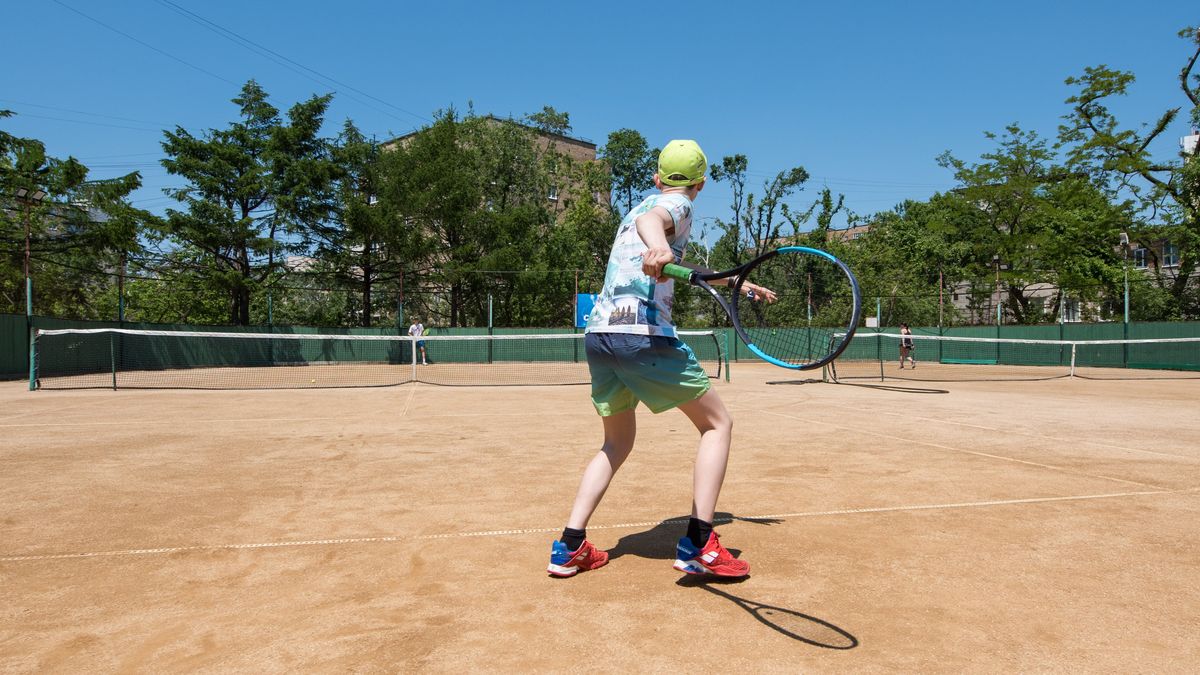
252	190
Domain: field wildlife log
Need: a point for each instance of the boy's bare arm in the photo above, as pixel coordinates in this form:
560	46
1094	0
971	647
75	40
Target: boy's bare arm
652	227
760	293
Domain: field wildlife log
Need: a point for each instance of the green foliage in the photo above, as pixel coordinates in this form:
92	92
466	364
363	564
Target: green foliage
1165	194
758	224
550	121
1039	224
77	230
632	164
472	194
254	189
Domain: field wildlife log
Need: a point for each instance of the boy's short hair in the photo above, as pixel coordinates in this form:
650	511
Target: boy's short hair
681	163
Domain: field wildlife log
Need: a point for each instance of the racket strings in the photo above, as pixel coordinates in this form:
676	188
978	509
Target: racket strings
816	304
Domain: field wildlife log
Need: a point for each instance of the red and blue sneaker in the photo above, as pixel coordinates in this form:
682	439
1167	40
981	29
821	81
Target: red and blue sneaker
564	563
713	559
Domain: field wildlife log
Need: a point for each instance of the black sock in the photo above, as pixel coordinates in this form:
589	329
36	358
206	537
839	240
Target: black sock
573	538
698	532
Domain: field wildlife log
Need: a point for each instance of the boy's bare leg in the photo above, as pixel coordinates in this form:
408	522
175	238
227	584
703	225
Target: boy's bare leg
619	433
715	425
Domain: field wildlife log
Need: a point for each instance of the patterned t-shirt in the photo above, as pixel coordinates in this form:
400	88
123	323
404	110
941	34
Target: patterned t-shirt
630	301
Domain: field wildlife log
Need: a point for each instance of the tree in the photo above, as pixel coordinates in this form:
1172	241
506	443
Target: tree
1165	193
472	191
253	191
758	223
632	166
1039	224
356	248
550	121
909	254
77	231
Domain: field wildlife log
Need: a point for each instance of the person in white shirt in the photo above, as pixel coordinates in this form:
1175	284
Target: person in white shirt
417	330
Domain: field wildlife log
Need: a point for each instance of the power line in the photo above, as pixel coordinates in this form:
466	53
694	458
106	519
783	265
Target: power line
84	112
282	60
95	124
145	44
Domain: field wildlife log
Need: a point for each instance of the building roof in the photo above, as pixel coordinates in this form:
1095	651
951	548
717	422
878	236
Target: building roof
541	132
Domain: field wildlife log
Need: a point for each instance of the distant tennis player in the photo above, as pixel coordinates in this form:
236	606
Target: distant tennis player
906	347
633	356
417	330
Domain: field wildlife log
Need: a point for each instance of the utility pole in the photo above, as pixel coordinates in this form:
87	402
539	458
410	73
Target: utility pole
941	293
28	198
996	262
1125	264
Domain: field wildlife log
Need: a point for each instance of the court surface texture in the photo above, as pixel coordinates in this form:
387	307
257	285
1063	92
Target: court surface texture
891	527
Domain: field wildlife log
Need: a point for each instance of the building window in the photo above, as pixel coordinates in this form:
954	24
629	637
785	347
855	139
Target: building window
1139	258
1071	310
553	193
1170	255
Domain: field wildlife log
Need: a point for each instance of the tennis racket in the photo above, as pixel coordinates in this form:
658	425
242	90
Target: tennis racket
804	314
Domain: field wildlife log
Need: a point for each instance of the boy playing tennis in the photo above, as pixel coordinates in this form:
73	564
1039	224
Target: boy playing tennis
633	356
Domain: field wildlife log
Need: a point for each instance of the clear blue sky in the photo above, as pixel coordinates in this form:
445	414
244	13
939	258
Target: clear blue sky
862	94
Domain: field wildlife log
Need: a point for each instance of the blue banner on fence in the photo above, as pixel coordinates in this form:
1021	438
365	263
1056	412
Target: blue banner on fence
584	302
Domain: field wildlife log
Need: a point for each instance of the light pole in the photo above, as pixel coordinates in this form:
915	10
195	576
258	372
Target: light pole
28	198
1125	265
996	263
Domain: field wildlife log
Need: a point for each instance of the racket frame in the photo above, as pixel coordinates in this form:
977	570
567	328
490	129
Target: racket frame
700	277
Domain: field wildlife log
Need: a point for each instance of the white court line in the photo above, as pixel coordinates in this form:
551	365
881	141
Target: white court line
412	393
542	530
954	449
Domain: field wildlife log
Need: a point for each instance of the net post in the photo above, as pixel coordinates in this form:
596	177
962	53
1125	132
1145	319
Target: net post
727	357
112	359
412	340
1073	346
33	359
879	350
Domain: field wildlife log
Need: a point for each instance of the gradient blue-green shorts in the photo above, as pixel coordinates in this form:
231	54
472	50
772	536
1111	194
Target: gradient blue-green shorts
661	372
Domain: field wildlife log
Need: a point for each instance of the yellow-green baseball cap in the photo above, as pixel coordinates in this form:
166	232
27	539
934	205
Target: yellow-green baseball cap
681	163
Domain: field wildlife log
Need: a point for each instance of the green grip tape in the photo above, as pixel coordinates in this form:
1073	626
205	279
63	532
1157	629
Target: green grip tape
678	272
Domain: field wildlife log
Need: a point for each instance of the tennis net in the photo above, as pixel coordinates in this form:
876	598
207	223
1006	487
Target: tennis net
114	358
946	358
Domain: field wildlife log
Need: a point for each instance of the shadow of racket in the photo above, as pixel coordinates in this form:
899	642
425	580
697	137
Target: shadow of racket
892	387
788	622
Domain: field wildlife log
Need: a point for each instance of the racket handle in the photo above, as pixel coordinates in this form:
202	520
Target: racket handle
677	272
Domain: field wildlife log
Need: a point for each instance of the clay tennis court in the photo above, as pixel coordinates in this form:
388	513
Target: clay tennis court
891	526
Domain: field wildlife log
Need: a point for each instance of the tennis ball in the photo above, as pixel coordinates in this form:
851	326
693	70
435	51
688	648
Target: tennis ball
314	379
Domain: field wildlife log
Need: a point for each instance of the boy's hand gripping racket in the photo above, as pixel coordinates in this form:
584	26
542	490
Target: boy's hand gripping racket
795	307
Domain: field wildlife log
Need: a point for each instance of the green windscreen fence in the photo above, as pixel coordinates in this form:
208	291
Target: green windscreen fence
14	347
127	358
14	344
1142	346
